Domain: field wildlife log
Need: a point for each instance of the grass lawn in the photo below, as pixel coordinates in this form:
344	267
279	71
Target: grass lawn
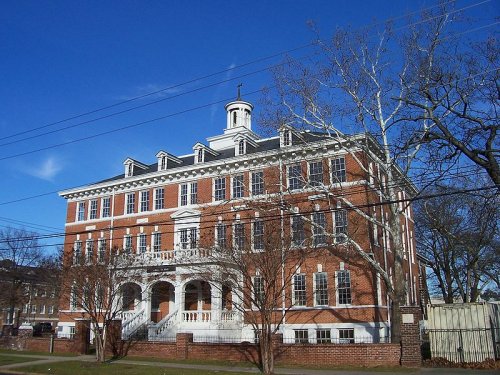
192	361
6	359
86	368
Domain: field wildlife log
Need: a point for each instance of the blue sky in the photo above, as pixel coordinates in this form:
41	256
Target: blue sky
64	58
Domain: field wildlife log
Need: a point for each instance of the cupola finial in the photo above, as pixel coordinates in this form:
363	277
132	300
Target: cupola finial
239	93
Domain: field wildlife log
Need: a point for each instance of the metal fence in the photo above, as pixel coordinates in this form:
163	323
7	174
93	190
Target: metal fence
337	340
462	345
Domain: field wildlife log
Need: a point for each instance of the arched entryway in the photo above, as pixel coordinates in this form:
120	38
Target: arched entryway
162	300
131	296
197	296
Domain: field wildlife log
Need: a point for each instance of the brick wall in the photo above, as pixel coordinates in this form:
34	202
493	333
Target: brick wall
410	337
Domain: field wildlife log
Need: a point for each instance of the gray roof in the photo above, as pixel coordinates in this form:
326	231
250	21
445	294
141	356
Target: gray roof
267	144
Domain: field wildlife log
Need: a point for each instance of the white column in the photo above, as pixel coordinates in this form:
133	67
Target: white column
216	299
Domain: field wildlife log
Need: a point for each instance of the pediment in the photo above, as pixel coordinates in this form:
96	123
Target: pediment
183	214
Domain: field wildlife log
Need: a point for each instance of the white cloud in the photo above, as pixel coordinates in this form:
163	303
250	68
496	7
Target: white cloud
47	170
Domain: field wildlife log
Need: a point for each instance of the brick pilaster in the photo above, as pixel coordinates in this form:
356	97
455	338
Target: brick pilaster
410	336
82	335
182	342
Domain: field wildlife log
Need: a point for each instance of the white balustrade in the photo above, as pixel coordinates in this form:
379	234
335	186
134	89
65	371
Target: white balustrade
200	316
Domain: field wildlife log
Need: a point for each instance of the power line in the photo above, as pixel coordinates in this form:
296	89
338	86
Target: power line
267	218
341	195
175	86
185	93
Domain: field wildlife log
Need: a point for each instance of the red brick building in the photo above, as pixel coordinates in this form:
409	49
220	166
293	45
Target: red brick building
175	211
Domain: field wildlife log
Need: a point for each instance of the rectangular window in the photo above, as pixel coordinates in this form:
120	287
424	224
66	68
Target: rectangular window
127	244
321	289
93	209
156	241
319	225
346	336
106	207
239	236
298	234
257	183
323	336
144	201
51	310
301	336
258	290
188	238
89	251
238	186
77	253
220	231
340	224
299	290
42	309
338	170
184	237
159	198
80	211
25	309
220	188
193	196
193	238
142	243
316	173
184	195
33	309
130	203
295	180
101	249
258	235
344	287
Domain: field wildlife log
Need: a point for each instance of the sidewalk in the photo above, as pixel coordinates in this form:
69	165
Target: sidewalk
44	359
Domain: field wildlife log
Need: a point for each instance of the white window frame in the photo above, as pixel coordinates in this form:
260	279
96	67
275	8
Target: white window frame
255	225
156	242
159	197
188	193
105	209
310	174
77	252
303	292
80	211
221	228
238	191
338	170
101	249
319	236
258	294
142	243
129	203
337	288
127	244
93	209
240	237
89	250
299	178
224	189
144	201
318	292
254	183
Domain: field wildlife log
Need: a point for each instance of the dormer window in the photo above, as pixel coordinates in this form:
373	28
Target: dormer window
132	166
285	137
241	147
164	158
202	152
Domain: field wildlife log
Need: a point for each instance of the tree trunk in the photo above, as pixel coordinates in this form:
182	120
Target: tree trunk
266	352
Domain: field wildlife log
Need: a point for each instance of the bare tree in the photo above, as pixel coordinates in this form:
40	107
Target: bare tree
460	235
94	286
19	251
455	92
365	82
255	276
